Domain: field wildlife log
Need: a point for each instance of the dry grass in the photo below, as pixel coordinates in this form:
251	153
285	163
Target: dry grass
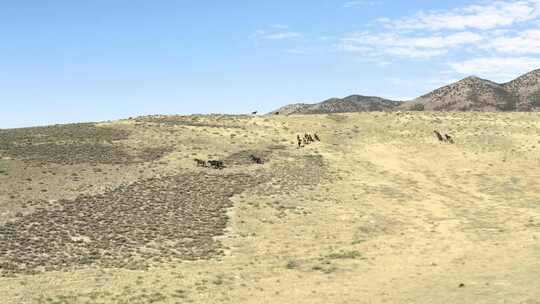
379	211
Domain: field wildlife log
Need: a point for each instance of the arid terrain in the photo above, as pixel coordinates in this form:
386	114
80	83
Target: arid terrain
378	211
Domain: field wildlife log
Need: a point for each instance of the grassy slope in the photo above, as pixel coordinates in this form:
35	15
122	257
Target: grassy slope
392	215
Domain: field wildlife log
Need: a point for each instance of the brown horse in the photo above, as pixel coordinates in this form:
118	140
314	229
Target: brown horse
216	164
200	162
256	159
439	136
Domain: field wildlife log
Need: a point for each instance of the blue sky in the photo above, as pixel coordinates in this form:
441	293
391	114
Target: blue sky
69	61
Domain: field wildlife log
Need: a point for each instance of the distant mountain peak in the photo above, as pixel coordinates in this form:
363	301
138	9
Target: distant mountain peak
468	94
473	78
477	94
352	103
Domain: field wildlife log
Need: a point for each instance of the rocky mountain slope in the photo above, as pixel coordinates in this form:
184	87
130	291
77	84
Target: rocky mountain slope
470	94
527	90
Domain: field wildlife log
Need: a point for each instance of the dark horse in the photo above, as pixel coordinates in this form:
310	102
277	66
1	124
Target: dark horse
256	159
200	162
216	164
439	136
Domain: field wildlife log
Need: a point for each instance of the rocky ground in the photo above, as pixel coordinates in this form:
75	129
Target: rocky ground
379	211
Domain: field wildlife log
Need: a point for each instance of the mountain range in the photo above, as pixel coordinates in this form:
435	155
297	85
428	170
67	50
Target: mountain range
470	94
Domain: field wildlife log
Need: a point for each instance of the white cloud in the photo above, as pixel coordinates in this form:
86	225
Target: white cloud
384	63
492	32
397	97
414	52
276	32
279	36
351	47
395	44
280	26
526	42
496	68
296	51
359	3
488	16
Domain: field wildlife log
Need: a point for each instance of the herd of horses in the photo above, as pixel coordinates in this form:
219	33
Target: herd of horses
216	164
307	139
219	164
302	141
446	138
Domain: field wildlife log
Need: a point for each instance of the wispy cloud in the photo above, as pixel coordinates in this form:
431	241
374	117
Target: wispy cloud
296	51
496	68
520	43
276	32
359	3
396	97
395	44
278	36
498	39
487	16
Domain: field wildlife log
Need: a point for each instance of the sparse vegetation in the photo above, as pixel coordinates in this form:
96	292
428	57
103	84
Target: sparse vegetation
292	264
534	99
418	107
353	254
378	203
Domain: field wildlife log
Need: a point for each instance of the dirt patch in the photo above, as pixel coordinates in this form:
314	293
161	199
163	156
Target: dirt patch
373	226
288	176
244	157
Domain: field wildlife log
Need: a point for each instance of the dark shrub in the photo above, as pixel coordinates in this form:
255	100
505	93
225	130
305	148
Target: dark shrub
418	107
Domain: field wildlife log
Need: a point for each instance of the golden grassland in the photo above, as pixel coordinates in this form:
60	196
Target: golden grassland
377	212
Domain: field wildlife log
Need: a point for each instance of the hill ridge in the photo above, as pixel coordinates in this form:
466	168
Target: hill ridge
471	93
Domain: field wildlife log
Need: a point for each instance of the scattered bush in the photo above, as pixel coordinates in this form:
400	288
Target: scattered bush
418	107
292	264
345	255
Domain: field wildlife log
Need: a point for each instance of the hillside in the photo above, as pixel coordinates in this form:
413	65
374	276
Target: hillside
469	94
378	211
527	90
353	103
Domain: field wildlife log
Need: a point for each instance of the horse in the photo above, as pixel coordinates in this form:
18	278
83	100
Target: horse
256	159
439	136
200	162
306	137
216	164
